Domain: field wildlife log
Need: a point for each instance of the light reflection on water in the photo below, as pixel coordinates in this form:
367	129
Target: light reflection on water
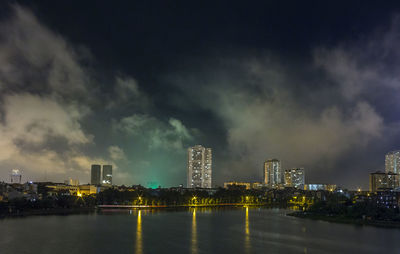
196	231
247	244
139	247
194	246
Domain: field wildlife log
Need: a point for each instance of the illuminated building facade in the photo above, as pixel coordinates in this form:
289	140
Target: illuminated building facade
392	162
95	174
87	189
73	190
199	168
107	174
294	178
318	186
247	186
383	181
273	176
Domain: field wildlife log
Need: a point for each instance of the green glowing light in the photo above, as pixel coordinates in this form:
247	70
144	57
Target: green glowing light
153	185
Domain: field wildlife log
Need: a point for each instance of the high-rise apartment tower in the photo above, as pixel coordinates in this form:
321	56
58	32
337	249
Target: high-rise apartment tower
392	162
107	174
199	168
273	176
95	174
294	177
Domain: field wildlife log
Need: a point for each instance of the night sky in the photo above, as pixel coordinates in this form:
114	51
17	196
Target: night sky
315	84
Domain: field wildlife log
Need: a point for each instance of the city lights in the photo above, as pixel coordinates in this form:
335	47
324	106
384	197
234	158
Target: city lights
201	127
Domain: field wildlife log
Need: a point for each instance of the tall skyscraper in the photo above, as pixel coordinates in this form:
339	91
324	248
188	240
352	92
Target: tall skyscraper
107	174
294	178
273	176
95	174
382	181
392	162
199	168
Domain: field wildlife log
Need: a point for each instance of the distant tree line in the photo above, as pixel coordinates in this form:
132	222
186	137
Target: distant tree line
337	205
62	200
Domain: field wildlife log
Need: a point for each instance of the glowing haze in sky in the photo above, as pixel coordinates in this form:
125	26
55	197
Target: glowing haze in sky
135	85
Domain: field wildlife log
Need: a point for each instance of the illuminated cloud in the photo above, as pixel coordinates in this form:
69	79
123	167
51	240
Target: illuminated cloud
43	87
269	114
335	111
116	153
35	59
155	133
126	94
49	97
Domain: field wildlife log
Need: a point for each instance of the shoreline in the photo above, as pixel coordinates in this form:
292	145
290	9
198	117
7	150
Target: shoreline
346	220
88	210
178	206
46	212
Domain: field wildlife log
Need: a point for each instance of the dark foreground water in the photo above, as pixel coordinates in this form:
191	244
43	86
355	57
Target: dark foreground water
241	230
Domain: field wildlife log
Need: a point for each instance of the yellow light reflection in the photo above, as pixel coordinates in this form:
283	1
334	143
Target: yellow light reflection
194	233
139	247
247	244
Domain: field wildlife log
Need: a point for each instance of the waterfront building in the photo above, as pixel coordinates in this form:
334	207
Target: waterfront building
87	189
199	167
294	178
383	181
107	174
273	176
55	188
72	190
95	174
247	186
392	162
318	186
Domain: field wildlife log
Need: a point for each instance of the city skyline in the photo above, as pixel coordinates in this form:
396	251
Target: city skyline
199	175
133	86
199	127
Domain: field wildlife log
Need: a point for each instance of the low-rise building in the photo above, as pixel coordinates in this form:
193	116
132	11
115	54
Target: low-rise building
257	185
87	190
72	190
386	199
227	185
319	186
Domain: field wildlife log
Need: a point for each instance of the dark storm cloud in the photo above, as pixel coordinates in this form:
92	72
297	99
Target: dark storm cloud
42	90
57	119
265	116
320	120
333	109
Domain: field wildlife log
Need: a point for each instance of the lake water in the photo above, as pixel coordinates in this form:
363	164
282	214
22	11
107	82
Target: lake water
240	230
